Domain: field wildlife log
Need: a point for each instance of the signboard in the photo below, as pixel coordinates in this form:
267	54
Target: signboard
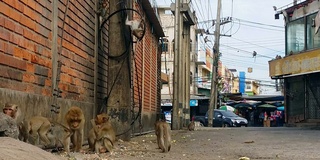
295	64
193	103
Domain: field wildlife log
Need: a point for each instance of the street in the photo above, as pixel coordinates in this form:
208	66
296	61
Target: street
224	143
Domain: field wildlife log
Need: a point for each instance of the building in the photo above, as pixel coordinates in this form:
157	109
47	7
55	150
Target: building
300	66
54	55
196	79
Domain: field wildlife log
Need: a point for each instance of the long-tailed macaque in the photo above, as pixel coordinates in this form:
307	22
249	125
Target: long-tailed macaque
11	110
102	136
59	136
191	125
163	133
37	127
75	121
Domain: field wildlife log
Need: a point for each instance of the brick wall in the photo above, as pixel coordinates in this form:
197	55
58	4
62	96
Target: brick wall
30	38
146	75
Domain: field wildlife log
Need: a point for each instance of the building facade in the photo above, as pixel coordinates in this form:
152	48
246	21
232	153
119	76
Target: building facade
300	66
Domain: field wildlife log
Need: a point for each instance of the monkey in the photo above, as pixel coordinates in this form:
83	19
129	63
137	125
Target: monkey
163	133
102	11
102	136
11	110
191	125
8	121
105	139
75	121
59	136
96	122
101	118
37	127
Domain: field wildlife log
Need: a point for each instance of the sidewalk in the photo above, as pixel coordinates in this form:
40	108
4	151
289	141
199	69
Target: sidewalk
208	143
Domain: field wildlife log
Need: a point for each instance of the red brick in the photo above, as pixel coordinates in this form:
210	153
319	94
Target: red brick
18	29
46	52
30	67
29	13
18	52
28	77
15	15
29	45
28	34
35	59
30	88
12	62
3	45
28	23
5	9
48	82
19	6
8	24
4	34
46	92
1	21
31	4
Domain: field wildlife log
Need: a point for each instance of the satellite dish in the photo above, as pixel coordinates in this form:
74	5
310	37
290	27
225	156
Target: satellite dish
317	22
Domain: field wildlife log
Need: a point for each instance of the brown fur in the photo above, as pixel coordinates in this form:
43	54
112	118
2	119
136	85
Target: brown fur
191	126
37	127
75	121
163	133
15	111
102	136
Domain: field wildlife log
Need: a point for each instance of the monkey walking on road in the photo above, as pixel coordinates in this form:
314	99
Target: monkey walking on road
163	133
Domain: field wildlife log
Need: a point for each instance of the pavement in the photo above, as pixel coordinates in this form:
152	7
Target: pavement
207	143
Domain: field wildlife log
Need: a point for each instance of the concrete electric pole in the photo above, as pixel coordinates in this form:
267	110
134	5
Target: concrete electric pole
175	109
214	80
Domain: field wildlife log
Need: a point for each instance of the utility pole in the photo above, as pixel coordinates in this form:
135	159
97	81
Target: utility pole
175	113
216	52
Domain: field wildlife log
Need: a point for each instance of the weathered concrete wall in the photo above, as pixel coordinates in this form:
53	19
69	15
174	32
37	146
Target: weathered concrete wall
34	105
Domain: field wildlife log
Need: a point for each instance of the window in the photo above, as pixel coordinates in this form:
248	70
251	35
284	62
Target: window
164	45
313	40
295	36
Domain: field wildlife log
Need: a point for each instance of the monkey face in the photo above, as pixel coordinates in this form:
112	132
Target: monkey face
75	124
101	118
8	111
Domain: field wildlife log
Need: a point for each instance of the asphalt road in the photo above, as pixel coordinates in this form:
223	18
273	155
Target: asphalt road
224	143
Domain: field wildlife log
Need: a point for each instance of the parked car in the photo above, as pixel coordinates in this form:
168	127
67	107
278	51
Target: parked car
223	118
200	119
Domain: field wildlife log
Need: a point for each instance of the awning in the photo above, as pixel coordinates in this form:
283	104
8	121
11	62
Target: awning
196	97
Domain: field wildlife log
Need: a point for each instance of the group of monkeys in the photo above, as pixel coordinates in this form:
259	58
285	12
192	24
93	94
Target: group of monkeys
101	137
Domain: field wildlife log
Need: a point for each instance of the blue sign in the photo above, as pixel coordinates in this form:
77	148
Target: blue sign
193	102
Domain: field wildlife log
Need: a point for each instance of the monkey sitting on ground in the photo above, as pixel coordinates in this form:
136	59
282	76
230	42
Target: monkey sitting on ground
8	121
11	110
102	136
191	125
75	121
38	127
163	133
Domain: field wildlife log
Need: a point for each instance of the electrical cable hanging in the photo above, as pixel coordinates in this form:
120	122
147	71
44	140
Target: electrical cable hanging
106	20
123	56
56	91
